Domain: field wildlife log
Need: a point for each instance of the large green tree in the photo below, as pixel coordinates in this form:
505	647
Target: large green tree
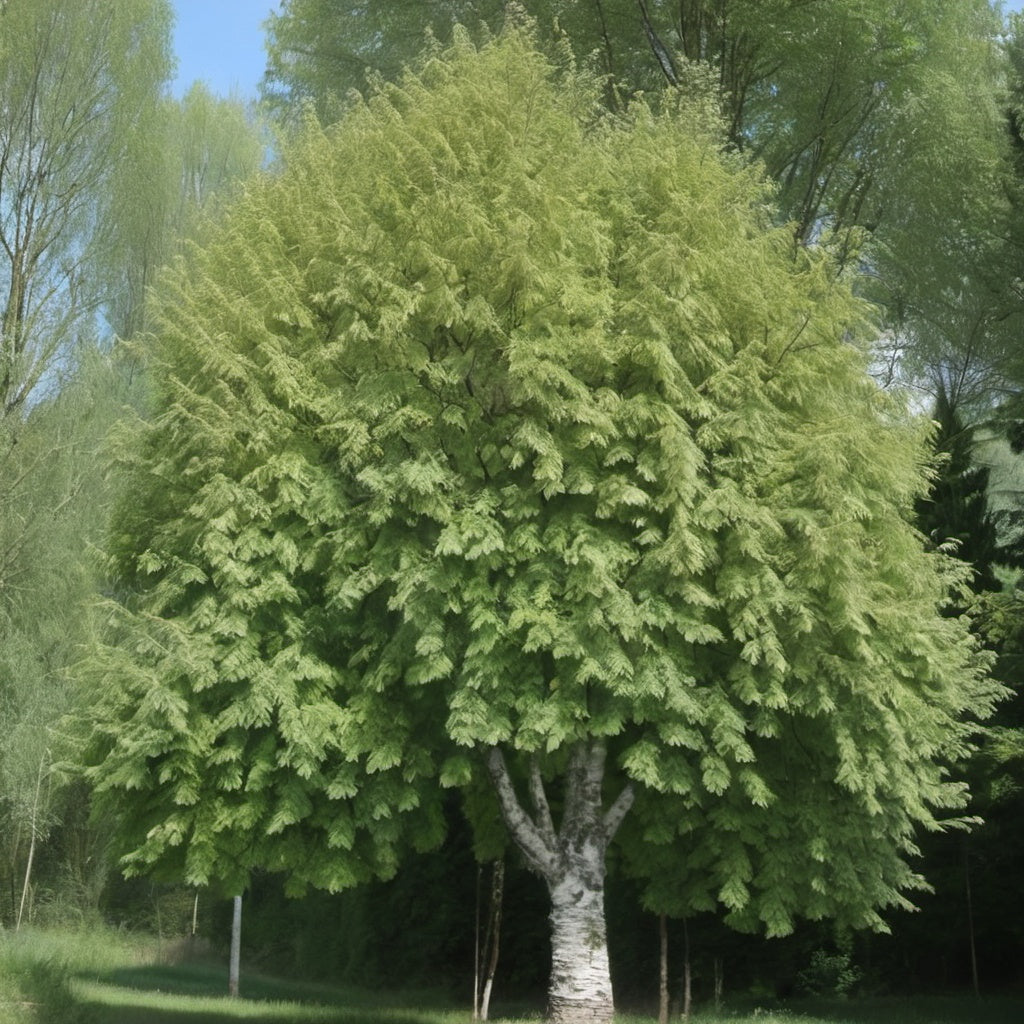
829	95
503	443
850	106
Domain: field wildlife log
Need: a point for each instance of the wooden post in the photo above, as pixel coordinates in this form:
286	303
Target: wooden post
236	948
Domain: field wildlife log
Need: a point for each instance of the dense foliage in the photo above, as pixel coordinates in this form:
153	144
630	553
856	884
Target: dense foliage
495	430
851	109
101	176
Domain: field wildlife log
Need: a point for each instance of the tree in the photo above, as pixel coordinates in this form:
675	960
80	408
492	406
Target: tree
190	156
850	107
828	95
503	444
92	196
956	509
50	581
75	79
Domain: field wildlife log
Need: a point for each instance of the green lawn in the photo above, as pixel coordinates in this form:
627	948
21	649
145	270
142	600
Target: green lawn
105	977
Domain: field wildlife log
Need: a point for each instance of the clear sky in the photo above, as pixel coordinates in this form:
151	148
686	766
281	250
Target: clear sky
221	43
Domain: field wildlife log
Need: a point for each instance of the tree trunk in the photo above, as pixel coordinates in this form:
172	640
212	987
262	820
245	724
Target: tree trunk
493	943
580	991
687	974
32	842
236	948
663	969
571	860
28	878
476	947
975	984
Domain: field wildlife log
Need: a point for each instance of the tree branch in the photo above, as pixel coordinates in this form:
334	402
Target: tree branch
545	824
539	855
618	810
659	49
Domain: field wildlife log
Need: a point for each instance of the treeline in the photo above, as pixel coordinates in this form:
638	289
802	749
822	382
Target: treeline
893	135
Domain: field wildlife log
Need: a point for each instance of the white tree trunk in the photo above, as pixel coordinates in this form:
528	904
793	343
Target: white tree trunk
571	859
493	944
32	842
580	991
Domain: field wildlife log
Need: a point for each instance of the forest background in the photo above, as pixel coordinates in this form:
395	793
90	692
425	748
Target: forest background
894	134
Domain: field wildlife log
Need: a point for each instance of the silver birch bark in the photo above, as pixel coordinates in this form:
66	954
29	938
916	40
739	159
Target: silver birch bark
571	860
493	944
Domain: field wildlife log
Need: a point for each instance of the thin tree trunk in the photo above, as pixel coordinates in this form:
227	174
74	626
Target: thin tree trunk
970	922
476	947
663	969
493	943
28	877
32	843
719	984
687	974
236	948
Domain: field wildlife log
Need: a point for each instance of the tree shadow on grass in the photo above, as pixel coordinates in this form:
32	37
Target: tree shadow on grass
197	978
177	994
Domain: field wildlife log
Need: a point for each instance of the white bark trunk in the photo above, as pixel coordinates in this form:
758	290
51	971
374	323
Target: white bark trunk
571	859
580	991
32	842
493	944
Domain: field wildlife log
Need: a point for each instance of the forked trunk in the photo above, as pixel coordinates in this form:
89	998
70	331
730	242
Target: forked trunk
571	860
580	991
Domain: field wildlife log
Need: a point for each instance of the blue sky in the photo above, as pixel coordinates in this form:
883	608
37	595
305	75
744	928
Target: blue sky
221	43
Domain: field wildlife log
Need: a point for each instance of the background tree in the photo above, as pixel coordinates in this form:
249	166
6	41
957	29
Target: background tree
101	177
850	107
50	582
494	444
76	82
956	507
188	159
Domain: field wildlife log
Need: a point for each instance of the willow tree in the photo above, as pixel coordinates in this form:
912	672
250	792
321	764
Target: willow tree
502	443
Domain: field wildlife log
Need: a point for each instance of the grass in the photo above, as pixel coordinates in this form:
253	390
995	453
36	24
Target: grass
106	977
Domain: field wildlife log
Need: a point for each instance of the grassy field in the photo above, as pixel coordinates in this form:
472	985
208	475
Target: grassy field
111	978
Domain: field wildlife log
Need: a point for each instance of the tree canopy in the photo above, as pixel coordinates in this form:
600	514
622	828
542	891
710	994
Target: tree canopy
501	441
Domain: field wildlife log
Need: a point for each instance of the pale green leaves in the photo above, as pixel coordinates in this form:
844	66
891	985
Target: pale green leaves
490	422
